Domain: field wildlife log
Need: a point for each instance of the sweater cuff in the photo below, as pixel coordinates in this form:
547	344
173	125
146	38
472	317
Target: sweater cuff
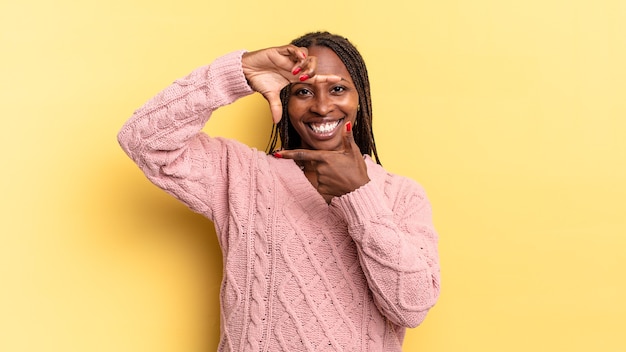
226	72
361	206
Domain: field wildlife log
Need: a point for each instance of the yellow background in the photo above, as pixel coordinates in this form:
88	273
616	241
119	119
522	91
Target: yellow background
512	114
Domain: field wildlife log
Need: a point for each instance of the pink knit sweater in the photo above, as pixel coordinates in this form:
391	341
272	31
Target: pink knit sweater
299	274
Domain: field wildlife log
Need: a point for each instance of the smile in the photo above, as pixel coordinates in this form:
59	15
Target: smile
324	127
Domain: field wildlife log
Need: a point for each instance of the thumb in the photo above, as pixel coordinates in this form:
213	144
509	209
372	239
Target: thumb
276	107
348	137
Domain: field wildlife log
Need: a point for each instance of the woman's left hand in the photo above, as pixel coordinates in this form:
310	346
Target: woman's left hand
337	171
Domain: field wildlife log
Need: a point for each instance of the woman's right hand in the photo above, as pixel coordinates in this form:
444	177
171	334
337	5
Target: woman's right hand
269	70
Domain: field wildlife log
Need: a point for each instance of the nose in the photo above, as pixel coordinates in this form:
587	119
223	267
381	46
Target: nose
322	104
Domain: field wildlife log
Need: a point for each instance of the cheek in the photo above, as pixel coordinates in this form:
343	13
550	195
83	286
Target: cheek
293	108
352	105
293	115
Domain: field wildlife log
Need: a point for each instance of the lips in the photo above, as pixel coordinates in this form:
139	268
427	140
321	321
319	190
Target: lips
324	128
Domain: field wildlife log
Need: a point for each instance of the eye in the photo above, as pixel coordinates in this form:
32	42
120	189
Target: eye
301	92
338	89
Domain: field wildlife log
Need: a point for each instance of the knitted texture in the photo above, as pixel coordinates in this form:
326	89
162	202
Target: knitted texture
299	274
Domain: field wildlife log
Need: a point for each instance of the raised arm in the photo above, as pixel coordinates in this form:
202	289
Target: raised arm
164	136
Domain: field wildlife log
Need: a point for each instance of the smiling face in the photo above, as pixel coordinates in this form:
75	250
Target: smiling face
318	112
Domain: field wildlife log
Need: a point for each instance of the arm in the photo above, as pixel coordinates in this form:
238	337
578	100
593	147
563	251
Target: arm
392	228
397	247
164	136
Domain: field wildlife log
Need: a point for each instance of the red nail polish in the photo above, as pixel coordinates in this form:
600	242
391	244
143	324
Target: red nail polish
349	126
277	155
296	71
303	55
304	78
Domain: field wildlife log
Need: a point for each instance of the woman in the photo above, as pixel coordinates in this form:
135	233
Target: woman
323	249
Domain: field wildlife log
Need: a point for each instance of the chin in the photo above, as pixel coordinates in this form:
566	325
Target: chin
329	145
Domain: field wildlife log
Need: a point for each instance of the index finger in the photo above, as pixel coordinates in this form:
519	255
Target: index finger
300	154
323	79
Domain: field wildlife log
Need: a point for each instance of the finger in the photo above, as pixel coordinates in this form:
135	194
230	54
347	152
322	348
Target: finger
301	154
348	137
301	52
305	66
324	79
297	54
276	107
307	72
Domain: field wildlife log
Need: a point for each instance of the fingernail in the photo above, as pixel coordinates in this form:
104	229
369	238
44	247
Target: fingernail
303	55
296	71
349	126
304	78
277	155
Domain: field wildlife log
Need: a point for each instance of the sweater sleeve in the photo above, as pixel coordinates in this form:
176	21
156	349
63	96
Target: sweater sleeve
164	136
397	247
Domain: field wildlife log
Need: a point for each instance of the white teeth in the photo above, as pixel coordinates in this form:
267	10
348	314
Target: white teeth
324	127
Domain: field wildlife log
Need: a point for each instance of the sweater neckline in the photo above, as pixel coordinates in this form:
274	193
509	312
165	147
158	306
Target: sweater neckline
303	194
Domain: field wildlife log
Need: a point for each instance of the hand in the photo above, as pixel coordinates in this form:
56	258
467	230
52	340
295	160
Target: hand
337	171
269	70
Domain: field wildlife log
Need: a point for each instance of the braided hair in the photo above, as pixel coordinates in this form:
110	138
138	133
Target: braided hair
352	59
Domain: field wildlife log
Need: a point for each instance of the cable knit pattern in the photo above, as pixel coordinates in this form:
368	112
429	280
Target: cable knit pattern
299	274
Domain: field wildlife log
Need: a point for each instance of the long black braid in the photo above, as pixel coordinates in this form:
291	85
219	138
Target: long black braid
352	59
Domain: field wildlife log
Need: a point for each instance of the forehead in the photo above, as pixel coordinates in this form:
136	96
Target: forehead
328	63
